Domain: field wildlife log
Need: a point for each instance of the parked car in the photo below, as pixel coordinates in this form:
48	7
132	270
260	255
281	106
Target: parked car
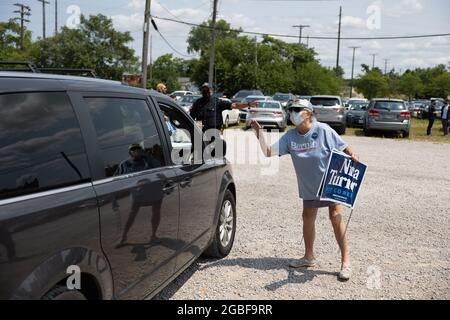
181	93
187	101
269	114
250	102
329	110
284	98
90	187
231	117
304	97
355	116
241	94
387	115
348	104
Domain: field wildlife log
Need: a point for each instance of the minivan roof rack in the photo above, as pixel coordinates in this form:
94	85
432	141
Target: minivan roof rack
31	67
87	72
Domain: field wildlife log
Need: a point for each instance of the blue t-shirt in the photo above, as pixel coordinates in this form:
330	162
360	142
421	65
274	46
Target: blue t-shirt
310	153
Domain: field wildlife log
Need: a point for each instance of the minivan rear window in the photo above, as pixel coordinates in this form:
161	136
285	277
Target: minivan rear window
326	102
390	105
41	147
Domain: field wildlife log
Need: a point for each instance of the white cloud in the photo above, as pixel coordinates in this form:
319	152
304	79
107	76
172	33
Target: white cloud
403	8
406	46
131	23
353	22
136	4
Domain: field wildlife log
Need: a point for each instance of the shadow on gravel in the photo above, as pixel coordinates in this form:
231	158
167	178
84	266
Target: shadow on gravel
298	275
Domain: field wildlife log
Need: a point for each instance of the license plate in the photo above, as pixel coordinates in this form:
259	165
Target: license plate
389	117
360	121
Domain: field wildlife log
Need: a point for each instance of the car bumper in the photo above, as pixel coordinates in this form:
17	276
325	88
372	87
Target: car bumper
278	122
335	121
390	126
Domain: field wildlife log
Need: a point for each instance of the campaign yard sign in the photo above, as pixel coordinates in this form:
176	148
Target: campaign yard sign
342	179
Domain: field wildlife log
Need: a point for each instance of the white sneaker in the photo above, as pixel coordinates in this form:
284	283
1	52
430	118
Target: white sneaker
345	273
303	262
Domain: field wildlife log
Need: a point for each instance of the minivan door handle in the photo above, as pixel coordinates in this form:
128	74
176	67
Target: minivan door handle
168	187
186	182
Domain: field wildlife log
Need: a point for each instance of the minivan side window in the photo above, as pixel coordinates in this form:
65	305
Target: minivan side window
127	135
41	146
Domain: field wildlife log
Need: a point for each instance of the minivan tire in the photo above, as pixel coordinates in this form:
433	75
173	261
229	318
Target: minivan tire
63	293
216	248
405	134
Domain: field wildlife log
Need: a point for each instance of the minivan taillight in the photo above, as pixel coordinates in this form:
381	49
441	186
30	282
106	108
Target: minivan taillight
405	114
374	113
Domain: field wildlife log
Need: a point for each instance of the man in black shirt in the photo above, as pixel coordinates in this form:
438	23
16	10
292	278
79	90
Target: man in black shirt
431	116
209	109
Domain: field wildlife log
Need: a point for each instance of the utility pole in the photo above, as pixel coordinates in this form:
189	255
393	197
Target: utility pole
307	41
339	39
213	45
301	26
145	45
256	62
24	12
56	17
353	67
373	59
385	65
44	2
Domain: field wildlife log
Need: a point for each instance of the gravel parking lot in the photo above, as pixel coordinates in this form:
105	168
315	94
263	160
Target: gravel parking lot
399	232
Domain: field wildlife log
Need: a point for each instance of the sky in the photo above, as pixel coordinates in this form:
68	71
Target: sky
360	18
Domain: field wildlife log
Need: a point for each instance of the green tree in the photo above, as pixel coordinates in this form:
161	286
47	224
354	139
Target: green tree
440	86
167	69
95	44
372	84
410	85
199	39
10	42
312	78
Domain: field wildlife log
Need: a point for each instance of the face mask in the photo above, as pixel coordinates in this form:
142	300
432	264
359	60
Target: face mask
296	118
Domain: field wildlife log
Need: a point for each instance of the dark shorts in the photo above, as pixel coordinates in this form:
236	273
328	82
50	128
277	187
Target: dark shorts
317	204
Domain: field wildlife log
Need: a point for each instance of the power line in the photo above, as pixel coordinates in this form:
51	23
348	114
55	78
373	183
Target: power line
44	2
353	67
301	26
147	17
373	59
24	12
339	39
311	37
167	42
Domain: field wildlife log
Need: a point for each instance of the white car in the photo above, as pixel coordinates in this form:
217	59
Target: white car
179	94
230	117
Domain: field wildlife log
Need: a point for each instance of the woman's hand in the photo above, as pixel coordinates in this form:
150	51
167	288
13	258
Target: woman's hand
355	157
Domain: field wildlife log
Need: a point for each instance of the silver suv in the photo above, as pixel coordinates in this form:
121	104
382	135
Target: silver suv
387	115
329	109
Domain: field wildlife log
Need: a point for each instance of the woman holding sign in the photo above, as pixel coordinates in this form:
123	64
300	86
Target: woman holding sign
310	145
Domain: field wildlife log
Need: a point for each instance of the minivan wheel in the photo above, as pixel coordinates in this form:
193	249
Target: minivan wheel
63	293
223	237
405	134
366	131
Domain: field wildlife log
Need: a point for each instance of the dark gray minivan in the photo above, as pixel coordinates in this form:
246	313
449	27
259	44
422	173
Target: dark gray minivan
90	194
